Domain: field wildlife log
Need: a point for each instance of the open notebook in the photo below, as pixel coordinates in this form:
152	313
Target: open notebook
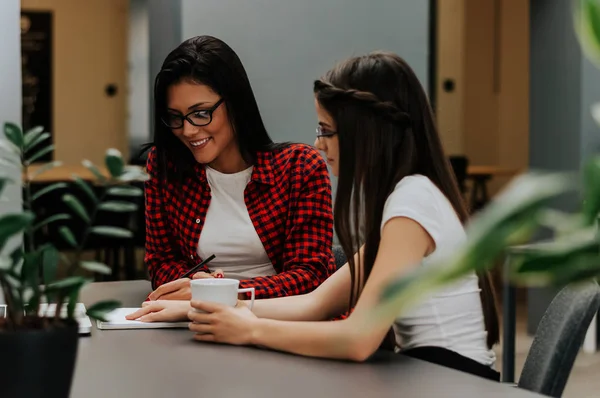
116	320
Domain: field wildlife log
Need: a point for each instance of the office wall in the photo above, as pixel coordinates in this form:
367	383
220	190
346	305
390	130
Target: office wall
590	95
286	45
165	34
10	100
10	93
138	119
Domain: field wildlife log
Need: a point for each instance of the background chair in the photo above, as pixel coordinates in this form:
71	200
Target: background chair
460	165
558	339
340	257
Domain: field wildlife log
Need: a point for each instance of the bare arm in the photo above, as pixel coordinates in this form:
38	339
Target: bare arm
327	301
330	299
403	245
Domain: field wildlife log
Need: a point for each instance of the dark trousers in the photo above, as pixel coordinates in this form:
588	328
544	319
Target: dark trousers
451	359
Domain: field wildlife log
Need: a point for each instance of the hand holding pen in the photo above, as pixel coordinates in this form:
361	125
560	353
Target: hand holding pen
179	289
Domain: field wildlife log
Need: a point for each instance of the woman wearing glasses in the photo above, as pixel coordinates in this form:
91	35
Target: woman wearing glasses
396	189
219	185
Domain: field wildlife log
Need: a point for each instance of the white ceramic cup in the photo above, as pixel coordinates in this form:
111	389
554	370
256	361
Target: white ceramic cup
219	290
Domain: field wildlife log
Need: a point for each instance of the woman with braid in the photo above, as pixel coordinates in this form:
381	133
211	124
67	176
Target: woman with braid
395	188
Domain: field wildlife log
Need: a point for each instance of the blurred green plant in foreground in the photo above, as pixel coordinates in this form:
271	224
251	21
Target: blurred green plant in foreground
522	209
28	274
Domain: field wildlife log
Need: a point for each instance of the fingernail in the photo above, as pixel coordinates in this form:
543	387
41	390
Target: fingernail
219	275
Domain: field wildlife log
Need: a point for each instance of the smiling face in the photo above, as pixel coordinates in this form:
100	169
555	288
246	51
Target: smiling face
213	141
328	145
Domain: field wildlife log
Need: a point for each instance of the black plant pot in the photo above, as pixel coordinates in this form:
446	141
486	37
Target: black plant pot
38	363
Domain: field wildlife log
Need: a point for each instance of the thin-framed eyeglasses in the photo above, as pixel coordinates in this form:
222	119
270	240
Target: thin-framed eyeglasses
198	117
324	133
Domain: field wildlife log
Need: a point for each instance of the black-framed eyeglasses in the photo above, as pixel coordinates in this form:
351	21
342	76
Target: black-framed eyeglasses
198	117
324	133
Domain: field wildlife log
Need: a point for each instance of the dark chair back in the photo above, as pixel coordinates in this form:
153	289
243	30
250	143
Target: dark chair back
340	257
558	338
139	155
460	165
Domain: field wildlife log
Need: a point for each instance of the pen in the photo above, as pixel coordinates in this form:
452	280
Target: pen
197	267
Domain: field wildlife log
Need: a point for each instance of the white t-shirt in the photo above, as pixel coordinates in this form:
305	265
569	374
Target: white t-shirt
228	232
451	318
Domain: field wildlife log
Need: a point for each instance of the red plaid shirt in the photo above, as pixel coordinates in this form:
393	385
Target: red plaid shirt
289	202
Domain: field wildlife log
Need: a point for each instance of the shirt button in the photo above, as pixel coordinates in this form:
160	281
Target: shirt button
192	256
197	221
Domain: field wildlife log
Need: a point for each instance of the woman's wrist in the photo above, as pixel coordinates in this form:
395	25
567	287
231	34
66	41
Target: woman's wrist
256	331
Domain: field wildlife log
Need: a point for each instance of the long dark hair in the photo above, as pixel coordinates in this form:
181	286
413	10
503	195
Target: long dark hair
386	132
209	61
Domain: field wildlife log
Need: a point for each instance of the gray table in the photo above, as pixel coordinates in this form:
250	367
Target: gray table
164	363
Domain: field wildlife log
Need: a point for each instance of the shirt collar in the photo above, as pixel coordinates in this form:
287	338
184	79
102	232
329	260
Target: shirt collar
263	169
262	172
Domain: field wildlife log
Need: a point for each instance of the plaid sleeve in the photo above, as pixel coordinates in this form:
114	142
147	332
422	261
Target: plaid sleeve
163	258
307	254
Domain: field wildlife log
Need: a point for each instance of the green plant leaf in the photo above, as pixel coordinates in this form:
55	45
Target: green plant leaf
68	288
97	267
129	191
47	167
37	141
13	224
30	272
590	25
77	207
555	260
85	187
50	260
99	310
593	16
133	173
118	206
67	283
68	236
16	256
591	192
595	111
558	221
572	270
48	189
65	259
33	304
3	182
114	162
586	22
5	265
72	299
14	134
40	153
51	219
112	232
10	263
94	170
31	135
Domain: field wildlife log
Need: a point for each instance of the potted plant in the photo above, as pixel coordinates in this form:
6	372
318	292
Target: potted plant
39	347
